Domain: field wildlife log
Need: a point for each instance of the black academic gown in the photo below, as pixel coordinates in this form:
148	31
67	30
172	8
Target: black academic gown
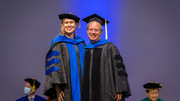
64	55
104	73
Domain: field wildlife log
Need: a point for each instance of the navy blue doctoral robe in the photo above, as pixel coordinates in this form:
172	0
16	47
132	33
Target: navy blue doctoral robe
37	98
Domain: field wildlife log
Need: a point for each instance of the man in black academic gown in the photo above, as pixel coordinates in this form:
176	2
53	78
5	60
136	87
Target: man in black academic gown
64	62
30	88
104	75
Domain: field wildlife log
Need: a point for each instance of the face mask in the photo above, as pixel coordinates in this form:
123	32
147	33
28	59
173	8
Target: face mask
27	90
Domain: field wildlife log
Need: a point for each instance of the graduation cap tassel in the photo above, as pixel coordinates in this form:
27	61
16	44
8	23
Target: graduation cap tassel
106	36
33	85
161	86
79	24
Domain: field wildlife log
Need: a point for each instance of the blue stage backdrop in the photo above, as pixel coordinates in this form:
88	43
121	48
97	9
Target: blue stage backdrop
146	33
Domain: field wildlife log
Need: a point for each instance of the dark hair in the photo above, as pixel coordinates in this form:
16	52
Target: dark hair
147	91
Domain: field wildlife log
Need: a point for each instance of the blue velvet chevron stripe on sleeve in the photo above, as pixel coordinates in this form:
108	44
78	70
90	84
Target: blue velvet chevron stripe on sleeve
52	61
51	69
53	53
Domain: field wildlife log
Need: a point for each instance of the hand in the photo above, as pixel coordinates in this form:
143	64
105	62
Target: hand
60	96
118	96
59	93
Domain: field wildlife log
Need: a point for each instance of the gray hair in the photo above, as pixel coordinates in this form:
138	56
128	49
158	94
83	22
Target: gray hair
101	29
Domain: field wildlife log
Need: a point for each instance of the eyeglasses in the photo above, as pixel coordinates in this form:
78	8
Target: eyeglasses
95	30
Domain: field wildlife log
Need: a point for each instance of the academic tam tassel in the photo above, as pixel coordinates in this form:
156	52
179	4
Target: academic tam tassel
106	36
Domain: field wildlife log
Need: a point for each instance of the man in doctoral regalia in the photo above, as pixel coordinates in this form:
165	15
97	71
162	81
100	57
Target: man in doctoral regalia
31	86
104	77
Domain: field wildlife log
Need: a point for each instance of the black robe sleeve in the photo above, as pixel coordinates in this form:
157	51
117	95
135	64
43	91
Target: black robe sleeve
120	74
58	76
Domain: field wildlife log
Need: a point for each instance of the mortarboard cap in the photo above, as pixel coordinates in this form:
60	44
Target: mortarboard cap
33	82
69	16
152	85
97	18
